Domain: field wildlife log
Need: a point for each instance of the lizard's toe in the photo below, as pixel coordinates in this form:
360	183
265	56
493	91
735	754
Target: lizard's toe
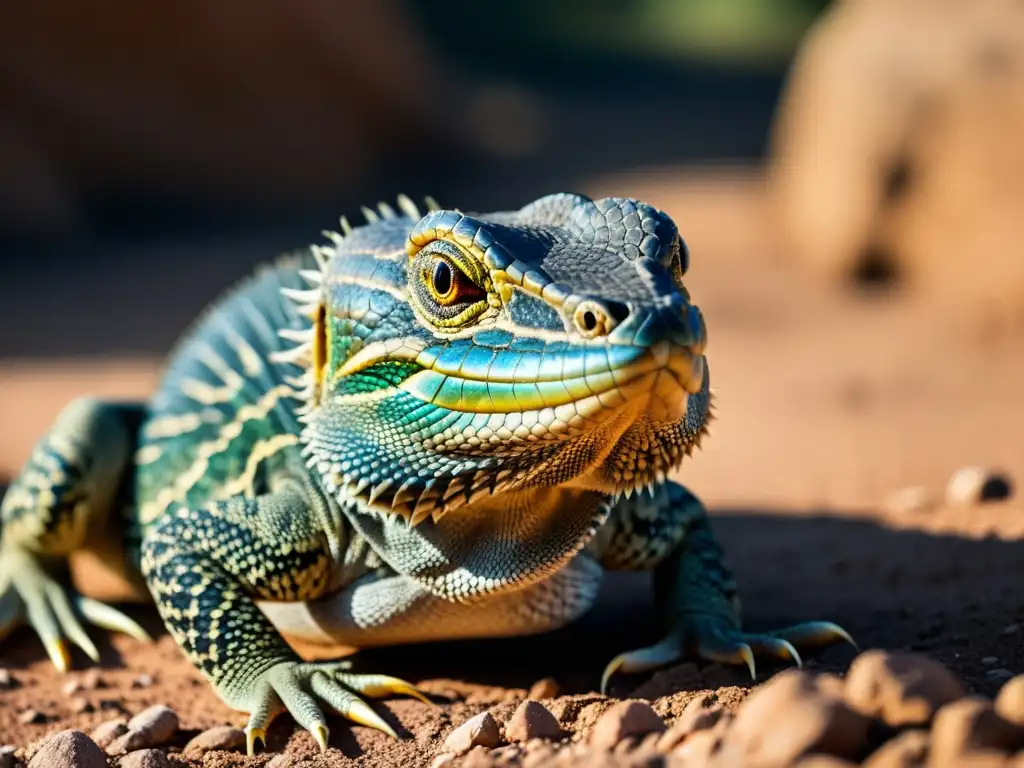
301	689
29	593
717	639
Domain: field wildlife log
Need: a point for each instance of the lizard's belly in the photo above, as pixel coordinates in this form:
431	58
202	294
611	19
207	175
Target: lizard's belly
392	609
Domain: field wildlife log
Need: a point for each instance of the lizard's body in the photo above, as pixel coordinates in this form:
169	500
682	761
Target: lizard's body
433	429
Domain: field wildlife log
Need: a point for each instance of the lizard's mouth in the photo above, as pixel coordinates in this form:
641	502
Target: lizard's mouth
481	420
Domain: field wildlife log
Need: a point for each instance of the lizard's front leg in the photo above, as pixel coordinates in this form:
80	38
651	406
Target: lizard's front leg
668	530
207	567
61	503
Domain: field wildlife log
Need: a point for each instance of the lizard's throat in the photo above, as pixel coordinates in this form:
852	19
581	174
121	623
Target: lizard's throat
501	543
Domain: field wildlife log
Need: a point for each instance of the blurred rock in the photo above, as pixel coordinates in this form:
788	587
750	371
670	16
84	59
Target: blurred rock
899	688
968	725
897	149
546	688
206	103
907	750
624	720
790	717
219	737
1010	701
975	485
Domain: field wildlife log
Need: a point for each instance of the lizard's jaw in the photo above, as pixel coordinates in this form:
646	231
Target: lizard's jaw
420	448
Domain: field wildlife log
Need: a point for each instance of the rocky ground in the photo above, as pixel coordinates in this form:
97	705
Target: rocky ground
833	473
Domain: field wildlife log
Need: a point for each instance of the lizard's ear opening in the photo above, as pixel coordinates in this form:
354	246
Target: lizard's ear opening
319	351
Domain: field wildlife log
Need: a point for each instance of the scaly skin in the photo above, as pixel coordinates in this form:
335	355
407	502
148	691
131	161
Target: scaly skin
440	426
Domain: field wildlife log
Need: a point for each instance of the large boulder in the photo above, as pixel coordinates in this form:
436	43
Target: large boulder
896	149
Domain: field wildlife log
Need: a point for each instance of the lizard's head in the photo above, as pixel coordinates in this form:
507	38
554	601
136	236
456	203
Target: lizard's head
458	355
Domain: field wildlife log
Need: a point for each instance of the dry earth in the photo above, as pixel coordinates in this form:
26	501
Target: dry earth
828	403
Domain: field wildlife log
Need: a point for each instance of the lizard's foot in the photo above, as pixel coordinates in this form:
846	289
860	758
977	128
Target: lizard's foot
715	638
29	593
298	687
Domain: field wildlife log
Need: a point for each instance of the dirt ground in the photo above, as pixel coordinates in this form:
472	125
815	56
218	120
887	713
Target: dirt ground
827	403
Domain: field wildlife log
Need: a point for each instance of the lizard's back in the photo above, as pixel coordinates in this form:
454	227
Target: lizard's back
223	420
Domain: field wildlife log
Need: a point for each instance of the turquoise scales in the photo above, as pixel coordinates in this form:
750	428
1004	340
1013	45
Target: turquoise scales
438	426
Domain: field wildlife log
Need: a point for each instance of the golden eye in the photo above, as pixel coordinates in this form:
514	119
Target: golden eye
449	285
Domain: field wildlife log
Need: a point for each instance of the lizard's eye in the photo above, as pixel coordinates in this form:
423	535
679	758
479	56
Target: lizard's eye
448	286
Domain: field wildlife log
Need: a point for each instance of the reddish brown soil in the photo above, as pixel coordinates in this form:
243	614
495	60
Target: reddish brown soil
827	403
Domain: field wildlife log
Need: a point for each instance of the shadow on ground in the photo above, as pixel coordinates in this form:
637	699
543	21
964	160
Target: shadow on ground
950	596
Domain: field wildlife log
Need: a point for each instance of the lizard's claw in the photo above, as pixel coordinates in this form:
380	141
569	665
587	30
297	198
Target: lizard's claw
301	688
29	593
716	639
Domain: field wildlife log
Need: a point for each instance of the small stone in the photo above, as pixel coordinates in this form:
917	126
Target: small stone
988	661
443	760
532	720
105	733
7	681
145	758
31	716
159	722
280	761
625	720
78	705
902	689
915	498
975	485
69	749
792	716
968	725
220	737
142	681
7	759
546	688
695	717
697	748
907	750
999	674
91	680
1010	629
1010	701
481	730
71	687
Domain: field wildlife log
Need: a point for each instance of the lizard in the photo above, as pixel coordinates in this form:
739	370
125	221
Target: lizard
434	425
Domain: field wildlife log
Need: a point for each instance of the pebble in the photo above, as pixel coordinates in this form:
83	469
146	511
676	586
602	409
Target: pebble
532	720
988	661
160	722
901	689
7	681
444	760
30	716
225	737
280	761
547	688
7	759
78	705
1010	629
153	727
142	681
624	720
105	733
792	716
145	758
91	680
1010	701
968	725
915	498
908	749
974	485
695	717
69	749
481	730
